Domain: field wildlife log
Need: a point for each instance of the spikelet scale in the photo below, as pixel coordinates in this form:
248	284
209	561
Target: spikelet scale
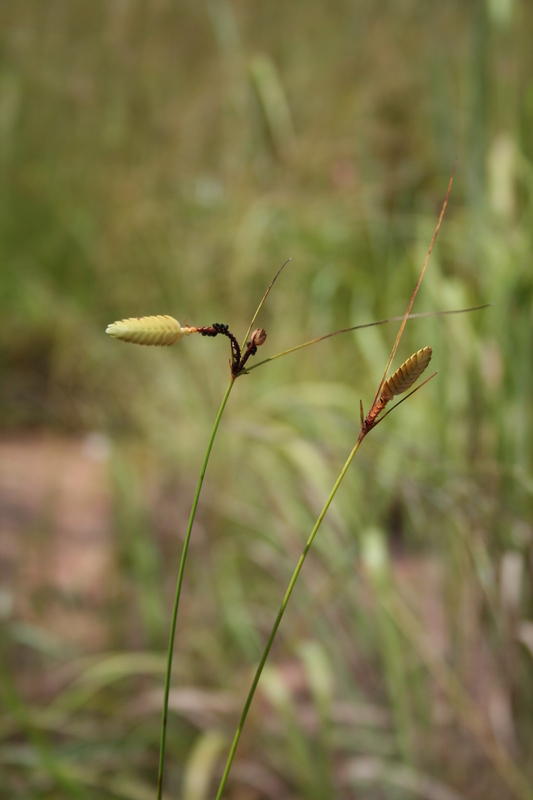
407	374
161	330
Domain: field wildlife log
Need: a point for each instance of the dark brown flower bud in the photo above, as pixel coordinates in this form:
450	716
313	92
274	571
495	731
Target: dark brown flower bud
258	337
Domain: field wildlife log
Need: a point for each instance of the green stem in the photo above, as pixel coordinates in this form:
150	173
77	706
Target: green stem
279	617
178	590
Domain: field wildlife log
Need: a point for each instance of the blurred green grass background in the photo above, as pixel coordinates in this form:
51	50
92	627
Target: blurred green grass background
168	157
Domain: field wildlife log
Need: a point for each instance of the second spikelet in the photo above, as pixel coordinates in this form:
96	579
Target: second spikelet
161	330
407	374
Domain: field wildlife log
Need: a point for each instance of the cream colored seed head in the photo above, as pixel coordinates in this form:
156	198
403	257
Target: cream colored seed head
161	330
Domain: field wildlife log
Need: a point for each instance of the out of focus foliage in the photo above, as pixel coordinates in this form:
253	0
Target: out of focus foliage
167	157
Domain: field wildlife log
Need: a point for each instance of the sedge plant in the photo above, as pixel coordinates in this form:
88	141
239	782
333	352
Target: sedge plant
164	330
400	382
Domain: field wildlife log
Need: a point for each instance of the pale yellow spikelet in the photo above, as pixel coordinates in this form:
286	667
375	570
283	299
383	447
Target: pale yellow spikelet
161	330
407	374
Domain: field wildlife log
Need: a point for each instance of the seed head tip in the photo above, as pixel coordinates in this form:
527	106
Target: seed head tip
161	330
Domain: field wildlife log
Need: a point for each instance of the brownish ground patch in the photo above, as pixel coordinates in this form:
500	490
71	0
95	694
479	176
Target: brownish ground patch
56	548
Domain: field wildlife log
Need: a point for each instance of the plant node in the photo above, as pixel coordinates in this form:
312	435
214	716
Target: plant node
257	338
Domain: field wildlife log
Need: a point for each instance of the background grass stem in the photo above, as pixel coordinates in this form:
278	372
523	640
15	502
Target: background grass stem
465	708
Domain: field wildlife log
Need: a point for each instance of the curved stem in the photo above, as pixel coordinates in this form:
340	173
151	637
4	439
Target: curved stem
279	617
178	591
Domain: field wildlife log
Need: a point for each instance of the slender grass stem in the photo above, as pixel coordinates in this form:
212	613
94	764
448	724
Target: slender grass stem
417	287
178	590
263	299
420	315
186	548
279	617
